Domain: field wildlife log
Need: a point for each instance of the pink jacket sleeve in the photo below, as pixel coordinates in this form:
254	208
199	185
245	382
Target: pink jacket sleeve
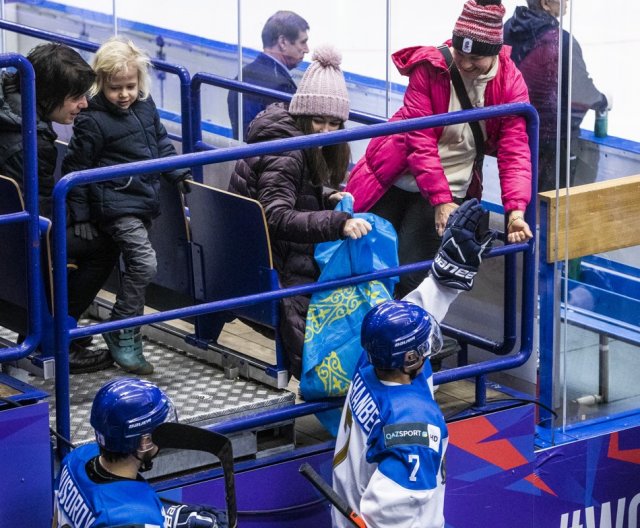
508	135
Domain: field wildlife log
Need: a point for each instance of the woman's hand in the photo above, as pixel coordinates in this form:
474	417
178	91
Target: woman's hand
356	228
442	215
517	229
337	197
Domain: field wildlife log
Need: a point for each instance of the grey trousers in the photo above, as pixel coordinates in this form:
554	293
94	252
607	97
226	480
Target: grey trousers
131	235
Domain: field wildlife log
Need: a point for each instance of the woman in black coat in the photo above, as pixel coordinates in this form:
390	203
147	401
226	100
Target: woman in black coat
297	188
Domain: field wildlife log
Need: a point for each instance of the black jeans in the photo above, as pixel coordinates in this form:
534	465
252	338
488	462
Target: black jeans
413	218
93	261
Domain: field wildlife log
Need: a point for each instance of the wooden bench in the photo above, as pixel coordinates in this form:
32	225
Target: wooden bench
602	217
14	287
232	258
170	237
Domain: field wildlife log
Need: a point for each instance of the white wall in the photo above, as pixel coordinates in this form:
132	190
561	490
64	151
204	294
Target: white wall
607	33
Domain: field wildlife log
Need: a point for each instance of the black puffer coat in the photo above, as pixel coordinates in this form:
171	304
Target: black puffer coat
105	135
11	154
298	214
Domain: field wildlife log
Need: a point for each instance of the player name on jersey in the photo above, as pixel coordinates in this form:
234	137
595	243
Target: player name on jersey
363	405
72	507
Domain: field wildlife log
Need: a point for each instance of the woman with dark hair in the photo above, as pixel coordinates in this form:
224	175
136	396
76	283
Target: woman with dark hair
62	80
297	189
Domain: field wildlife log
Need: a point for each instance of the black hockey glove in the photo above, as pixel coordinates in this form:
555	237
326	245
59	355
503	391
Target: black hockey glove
466	239
185	516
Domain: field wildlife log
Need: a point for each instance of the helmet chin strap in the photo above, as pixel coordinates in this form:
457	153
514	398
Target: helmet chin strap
146	447
146	463
414	370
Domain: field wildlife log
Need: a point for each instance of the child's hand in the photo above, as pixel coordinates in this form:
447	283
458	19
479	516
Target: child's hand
184	189
85	230
336	197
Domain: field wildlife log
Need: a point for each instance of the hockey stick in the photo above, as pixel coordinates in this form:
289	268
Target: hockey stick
335	499
182	436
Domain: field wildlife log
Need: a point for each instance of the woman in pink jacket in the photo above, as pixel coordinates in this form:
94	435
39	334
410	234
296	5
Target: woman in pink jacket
417	179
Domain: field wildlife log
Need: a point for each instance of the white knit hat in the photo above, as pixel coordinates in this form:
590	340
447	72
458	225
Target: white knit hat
322	90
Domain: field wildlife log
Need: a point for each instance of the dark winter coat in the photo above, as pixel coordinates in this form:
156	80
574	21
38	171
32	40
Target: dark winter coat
11	154
534	37
267	73
298	215
105	135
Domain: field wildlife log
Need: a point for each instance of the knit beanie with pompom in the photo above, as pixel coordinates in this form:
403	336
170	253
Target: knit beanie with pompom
322	90
478	30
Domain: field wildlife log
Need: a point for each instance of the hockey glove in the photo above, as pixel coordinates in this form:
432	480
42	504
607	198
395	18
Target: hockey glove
185	516
466	239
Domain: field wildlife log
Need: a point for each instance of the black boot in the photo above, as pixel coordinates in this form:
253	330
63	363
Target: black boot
83	360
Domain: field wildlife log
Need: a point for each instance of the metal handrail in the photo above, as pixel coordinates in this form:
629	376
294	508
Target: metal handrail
211	79
62	333
30	216
180	71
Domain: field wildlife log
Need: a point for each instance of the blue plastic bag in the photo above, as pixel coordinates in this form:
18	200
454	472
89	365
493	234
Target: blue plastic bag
332	335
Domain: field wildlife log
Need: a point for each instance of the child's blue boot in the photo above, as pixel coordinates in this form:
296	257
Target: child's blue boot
126	350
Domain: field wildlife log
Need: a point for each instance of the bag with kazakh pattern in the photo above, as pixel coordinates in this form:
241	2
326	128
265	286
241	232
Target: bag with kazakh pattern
332	335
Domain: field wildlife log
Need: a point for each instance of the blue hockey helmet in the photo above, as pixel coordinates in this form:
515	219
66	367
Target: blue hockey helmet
126	409
398	335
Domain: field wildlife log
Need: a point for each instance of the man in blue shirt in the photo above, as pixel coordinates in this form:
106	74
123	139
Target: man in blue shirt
284	41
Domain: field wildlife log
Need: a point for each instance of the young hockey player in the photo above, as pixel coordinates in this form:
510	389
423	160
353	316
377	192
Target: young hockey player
101	486
389	457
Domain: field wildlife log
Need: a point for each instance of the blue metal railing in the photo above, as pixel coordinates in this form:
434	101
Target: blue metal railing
509	323
210	79
181	72
63	334
30	216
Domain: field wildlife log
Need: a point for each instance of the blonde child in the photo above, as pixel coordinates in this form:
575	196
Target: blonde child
120	125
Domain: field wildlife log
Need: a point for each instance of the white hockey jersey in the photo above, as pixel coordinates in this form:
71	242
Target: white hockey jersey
389	457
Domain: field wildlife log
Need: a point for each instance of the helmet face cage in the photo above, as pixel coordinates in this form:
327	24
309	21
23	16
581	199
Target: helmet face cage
399	335
126	410
413	358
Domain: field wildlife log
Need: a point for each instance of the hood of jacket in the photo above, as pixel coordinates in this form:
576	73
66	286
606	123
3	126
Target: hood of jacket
11	108
275	122
407	58
522	30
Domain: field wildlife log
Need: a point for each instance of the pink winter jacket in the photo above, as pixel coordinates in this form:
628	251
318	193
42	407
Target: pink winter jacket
428	93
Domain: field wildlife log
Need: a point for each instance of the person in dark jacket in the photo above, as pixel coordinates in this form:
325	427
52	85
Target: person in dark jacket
534	34
284	41
122	125
62	79
291	186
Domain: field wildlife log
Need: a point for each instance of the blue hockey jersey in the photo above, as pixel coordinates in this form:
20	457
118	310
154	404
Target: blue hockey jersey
81	502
